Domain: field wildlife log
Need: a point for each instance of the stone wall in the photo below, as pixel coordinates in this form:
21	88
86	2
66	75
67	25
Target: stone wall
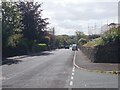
108	53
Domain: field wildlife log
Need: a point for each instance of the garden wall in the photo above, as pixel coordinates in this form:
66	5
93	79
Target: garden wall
108	53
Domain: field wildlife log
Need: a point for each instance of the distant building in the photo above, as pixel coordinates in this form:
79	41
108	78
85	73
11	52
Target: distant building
113	25
109	26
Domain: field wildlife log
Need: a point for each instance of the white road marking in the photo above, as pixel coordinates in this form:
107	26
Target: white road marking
74	67
73	70
74	55
72	77
73	73
71	83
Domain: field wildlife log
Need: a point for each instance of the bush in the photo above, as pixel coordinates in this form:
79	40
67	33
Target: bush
82	41
111	35
39	47
95	42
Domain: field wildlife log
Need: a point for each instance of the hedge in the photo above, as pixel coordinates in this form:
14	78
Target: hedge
39	47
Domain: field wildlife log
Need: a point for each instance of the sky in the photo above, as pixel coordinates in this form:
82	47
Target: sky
68	16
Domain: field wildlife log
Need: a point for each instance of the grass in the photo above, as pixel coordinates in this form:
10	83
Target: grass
94	42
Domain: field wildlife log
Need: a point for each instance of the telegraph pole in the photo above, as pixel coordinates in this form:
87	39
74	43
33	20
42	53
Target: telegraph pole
101	28
88	29
95	27
107	25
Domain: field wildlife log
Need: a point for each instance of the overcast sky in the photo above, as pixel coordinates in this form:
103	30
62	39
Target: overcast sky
67	16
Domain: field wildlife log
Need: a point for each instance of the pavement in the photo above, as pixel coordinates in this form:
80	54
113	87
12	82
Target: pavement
84	63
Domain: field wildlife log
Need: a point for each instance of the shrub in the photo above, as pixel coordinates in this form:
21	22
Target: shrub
82	41
95	42
39	47
111	35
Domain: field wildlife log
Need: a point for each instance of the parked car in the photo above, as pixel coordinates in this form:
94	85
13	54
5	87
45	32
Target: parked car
74	47
67	47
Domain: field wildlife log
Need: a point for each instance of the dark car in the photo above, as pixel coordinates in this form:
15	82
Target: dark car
66	47
74	47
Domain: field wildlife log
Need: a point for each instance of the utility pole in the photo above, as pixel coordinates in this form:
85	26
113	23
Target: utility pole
107	25
101	27
88	29
113	21
95	28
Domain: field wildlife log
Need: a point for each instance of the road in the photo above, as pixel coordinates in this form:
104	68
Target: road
52	69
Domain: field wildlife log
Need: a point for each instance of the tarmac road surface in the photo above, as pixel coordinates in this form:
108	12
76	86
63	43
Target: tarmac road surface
52	69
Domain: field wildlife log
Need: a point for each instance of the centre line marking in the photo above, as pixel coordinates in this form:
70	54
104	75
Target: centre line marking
72	77
71	83
73	70
73	67
73	74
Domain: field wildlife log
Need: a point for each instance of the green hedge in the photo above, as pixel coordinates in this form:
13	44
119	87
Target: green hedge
39	47
111	35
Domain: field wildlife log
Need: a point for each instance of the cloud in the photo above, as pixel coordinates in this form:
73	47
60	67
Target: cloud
71	15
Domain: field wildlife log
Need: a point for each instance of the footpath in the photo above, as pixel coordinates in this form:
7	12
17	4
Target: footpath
83	62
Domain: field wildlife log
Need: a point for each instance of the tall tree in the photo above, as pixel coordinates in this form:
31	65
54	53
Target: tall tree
11	28
33	23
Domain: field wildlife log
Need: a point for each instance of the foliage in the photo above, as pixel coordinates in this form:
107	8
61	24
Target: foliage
33	24
40	47
63	40
82	41
11	26
46	40
14	40
49	38
111	35
93	36
10	21
80	35
95	42
22	27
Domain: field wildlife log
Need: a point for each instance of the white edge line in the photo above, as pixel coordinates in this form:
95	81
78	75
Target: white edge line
72	77
73	73
71	83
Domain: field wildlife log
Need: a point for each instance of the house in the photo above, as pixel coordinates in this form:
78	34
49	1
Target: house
113	25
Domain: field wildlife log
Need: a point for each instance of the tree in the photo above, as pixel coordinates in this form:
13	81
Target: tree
33	24
63	40
80	35
50	32
11	26
82	41
46	40
22	26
